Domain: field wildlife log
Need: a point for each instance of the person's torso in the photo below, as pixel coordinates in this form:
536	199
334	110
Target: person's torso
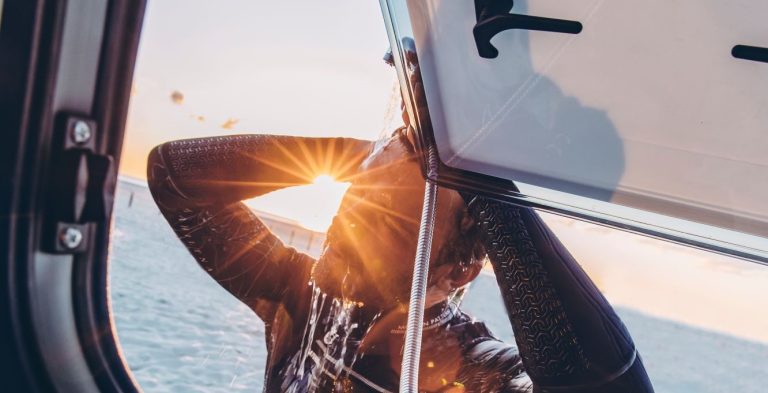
325	345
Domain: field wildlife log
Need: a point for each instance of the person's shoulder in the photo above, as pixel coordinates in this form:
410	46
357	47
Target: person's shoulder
489	363
469	331
479	343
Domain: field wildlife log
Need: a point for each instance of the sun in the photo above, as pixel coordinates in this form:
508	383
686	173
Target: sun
312	206
326	194
326	181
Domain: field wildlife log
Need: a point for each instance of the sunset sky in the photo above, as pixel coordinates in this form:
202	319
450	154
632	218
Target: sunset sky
304	68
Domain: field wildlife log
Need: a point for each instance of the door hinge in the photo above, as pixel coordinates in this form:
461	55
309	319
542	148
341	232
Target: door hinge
82	189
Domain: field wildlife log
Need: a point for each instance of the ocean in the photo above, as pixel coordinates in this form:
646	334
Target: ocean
181	332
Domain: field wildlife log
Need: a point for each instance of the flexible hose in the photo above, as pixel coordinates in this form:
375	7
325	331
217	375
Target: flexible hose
409	369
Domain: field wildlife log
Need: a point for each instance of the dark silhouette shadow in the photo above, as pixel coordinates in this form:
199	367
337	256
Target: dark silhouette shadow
538	134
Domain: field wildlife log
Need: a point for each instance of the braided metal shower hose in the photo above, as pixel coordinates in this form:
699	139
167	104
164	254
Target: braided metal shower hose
409	369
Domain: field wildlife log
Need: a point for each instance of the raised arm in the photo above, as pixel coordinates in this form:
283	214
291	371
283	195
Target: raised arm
232	168
198	185
569	337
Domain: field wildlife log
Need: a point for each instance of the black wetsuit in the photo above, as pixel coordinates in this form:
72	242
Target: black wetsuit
569	338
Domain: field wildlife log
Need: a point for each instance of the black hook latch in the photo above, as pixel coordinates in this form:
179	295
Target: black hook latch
493	17
82	186
754	53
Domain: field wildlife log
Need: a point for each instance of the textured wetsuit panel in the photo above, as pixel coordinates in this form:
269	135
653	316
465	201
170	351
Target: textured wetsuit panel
569	336
237	167
542	328
228	241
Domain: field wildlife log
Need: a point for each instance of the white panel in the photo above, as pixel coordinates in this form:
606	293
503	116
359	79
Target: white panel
645	107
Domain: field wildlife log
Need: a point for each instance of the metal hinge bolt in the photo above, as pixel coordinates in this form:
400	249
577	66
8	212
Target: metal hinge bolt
81	132
70	237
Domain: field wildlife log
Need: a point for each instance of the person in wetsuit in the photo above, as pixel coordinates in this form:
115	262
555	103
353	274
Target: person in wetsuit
337	323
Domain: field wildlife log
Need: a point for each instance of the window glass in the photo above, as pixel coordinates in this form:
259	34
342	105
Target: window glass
305	68
569	112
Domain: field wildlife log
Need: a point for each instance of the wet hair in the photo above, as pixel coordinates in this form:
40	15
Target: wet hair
399	133
466	246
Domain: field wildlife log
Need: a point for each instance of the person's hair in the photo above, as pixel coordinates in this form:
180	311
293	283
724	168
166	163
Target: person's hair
466	246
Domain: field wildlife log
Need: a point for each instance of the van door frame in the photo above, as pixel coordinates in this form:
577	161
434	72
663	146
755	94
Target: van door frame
59	57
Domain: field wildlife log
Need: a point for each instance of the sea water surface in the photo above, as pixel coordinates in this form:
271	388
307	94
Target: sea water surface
181	332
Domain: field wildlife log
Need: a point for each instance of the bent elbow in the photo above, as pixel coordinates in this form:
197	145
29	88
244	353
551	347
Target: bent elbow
156	170
159	179
153	159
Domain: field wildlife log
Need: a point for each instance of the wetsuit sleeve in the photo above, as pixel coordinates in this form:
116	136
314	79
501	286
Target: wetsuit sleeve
569	337
198	185
494	366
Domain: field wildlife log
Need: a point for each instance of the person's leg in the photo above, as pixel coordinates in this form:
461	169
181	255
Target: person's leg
569	337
